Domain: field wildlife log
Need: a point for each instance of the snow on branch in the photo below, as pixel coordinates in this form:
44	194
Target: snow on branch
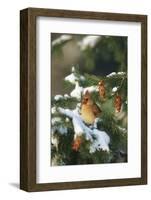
115	74
79	127
114	89
101	142
61	97
99	139
90	89
77	91
89	41
61	39
73	77
58	97
53	110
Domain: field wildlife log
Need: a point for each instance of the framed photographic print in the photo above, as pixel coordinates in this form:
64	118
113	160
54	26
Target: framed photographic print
83	93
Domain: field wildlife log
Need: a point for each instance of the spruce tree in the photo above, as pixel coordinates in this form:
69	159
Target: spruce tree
75	142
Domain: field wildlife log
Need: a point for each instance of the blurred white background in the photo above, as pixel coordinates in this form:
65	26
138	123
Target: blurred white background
9	98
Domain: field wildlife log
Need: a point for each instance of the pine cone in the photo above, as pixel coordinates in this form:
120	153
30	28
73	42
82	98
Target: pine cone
102	92
76	143
118	103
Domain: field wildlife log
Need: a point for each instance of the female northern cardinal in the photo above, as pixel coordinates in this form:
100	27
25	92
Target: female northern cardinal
89	110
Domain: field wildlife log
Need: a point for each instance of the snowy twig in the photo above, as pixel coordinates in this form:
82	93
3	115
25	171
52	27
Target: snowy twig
73	77
61	39
89	41
99	139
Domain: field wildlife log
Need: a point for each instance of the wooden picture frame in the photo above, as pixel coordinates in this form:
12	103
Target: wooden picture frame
28	98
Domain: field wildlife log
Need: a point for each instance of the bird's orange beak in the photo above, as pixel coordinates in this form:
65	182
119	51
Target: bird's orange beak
84	100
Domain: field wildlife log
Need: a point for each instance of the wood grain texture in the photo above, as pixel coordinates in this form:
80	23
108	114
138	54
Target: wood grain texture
23	100
28	98
27	101
144	99
87	15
